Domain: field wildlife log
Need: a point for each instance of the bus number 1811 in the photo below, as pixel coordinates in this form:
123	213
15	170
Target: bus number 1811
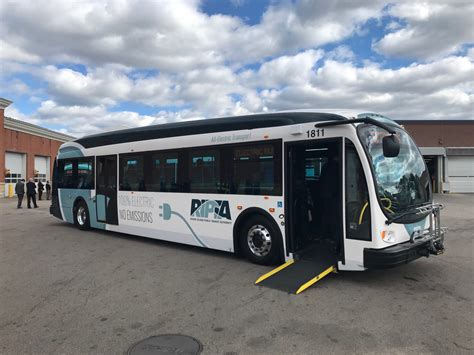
313	133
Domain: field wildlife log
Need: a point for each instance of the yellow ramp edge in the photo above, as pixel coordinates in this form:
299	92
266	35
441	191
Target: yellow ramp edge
315	279
274	271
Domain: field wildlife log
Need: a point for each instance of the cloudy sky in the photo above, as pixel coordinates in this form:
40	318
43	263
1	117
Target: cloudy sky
83	66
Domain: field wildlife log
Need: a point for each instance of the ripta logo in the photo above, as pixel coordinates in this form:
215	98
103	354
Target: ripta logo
210	208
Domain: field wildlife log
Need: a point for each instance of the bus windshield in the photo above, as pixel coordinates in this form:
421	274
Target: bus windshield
401	182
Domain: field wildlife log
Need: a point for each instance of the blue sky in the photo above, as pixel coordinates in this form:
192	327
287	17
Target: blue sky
96	66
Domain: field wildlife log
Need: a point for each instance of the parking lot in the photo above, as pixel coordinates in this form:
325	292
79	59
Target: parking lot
68	291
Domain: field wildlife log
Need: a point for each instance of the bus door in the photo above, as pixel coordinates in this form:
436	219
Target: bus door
313	215
314	193
106	191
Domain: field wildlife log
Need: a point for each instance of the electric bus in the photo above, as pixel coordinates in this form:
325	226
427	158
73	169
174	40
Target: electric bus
347	190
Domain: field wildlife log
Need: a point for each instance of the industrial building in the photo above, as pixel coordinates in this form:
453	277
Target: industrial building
26	151
448	149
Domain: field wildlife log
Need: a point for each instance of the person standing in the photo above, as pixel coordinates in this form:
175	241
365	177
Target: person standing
48	190
31	193
20	191
40	189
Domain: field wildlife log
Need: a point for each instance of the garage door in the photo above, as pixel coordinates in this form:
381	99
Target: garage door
461	173
42	168
15	166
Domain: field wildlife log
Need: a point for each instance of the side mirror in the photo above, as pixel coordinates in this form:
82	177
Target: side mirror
391	146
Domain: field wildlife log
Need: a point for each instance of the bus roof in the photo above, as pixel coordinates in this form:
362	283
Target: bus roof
223	124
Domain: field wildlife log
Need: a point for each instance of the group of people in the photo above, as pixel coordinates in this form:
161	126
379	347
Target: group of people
31	191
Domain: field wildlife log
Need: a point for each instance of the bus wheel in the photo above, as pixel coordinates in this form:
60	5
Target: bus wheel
260	241
81	216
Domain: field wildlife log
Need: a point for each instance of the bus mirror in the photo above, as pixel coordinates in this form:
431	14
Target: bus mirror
391	146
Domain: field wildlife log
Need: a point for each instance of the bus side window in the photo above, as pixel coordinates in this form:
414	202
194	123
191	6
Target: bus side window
85	174
204	171
256	169
132	175
66	174
357	197
164	172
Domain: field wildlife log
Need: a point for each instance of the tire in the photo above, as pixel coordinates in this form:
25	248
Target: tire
260	241
81	216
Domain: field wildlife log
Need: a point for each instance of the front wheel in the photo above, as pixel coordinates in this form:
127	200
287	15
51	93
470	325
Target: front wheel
260	241
81	216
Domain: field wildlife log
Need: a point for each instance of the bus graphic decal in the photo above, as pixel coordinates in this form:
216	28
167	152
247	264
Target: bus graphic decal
166	214
210	209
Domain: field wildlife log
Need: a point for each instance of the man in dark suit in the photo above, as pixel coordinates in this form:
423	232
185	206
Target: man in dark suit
31	193
20	191
48	190
40	189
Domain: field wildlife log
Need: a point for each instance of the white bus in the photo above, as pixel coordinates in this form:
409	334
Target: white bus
318	191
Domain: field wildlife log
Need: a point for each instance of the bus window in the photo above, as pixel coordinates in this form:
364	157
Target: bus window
204	171
132	177
66	174
85	174
256	169
164	172
357	197
75	173
314	162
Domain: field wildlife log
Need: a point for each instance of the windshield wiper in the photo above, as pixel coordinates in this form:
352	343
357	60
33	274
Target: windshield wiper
418	210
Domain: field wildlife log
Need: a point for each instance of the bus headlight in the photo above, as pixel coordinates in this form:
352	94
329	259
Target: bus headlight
388	236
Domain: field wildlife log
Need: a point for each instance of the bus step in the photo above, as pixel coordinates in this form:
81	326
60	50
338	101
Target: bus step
296	276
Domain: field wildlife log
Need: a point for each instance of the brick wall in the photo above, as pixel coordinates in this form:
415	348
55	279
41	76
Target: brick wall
442	134
2	152
29	144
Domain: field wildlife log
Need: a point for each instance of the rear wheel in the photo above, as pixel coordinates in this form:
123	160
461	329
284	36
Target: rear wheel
260	241
81	216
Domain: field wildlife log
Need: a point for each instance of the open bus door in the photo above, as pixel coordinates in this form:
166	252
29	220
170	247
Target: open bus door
314	208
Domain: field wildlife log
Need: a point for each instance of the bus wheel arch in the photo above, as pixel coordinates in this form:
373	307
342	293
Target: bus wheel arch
80	214
254	216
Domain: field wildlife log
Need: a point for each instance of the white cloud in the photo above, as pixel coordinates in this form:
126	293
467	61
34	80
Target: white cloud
341	53
10	52
100	86
185	64
434	29
438	90
173	35
285	70
83	120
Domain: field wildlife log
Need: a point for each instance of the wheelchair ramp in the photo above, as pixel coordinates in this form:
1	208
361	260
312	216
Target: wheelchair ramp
297	276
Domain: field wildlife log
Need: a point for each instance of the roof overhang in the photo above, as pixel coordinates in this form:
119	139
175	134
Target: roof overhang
21	126
433	151
4	103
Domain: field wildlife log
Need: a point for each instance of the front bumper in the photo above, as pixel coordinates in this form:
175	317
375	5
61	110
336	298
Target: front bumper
395	255
422	243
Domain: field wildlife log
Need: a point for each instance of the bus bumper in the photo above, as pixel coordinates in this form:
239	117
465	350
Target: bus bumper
401	253
422	243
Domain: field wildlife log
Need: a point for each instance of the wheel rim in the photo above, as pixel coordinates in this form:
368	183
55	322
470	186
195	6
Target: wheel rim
81	215
259	240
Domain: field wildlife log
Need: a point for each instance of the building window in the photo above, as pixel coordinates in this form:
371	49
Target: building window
40	177
13	178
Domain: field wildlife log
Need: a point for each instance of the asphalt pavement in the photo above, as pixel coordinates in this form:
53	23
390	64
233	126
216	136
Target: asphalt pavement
73	292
